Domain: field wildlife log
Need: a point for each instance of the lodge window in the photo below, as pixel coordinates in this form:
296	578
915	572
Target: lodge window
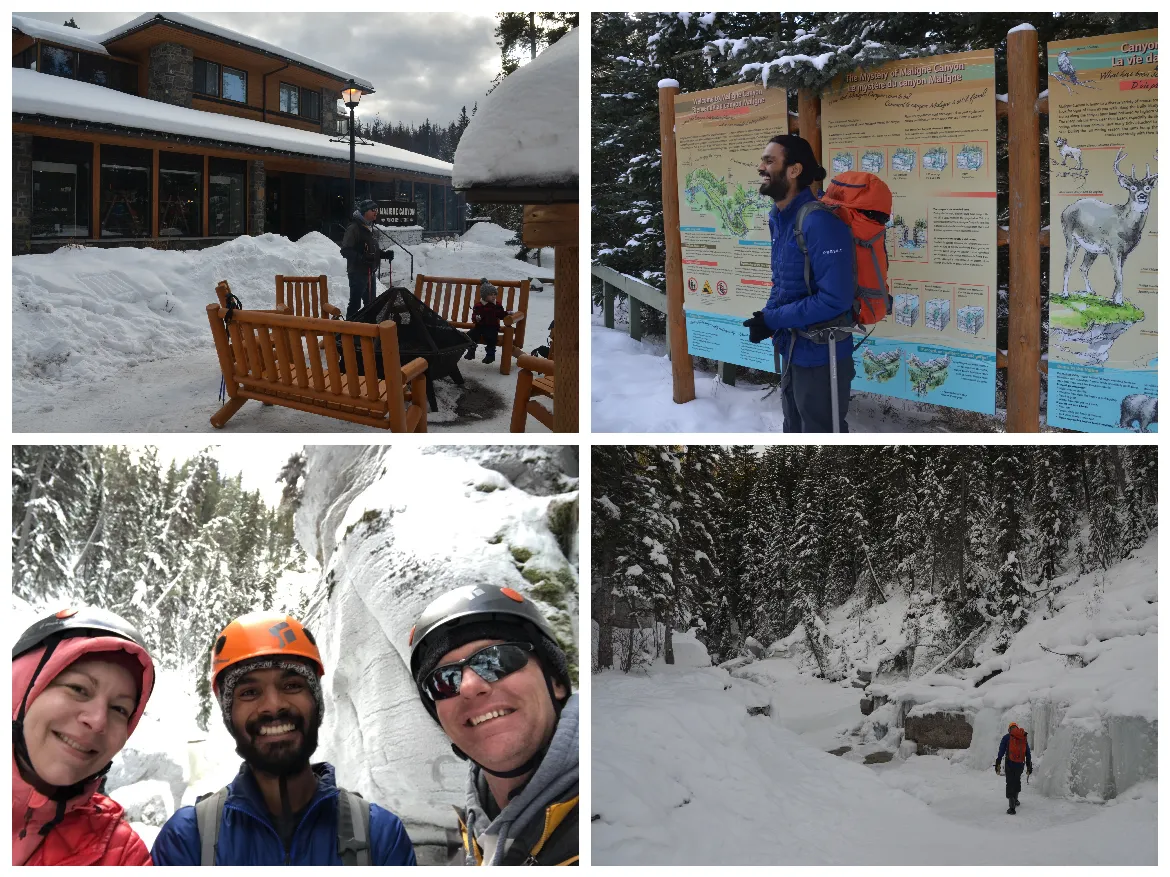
226	194
216	80
454	209
58	62
290	99
311	104
180	194
435	222
62	194
402	190
108	73
26	60
125	198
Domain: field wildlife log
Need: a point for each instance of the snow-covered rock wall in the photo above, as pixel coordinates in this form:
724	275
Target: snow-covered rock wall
1080	677
392	528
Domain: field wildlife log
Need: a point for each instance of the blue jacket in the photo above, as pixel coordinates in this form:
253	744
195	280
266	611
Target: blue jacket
1003	746
790	306
248	837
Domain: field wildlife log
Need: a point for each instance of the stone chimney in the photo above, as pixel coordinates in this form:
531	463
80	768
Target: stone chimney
171	74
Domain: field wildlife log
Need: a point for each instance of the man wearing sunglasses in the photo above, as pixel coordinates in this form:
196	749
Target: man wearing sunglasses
490	672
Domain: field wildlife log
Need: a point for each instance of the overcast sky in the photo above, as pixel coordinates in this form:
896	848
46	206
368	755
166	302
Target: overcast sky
422	65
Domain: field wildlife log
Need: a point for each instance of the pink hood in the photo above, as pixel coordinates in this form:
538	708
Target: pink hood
31	809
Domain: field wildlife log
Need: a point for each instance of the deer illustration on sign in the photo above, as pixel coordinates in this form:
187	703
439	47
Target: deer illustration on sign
1112	229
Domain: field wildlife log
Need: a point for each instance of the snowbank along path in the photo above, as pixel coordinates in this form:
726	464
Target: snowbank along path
116	340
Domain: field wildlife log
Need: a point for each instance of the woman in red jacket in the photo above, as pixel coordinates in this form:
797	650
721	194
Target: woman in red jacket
80	682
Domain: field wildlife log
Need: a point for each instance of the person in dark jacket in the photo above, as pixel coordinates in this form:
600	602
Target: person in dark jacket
794	311
490	672
487	316
362	256
1014	747
280	809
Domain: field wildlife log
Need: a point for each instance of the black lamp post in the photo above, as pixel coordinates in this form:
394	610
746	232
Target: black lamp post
352	96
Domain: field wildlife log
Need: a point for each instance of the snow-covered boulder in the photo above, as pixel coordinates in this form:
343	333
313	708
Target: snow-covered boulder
754	646
149	802
393	528
133	767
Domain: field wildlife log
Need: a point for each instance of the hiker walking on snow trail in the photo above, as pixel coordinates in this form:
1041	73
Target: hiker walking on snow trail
1014	746
490	672
280	809
362	256
80	682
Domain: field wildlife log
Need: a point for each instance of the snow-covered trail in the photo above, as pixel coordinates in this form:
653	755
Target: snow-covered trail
683	775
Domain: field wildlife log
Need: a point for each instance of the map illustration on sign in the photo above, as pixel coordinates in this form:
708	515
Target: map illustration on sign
735	209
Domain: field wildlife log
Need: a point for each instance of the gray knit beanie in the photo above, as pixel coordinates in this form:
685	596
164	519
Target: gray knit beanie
486	288
236	672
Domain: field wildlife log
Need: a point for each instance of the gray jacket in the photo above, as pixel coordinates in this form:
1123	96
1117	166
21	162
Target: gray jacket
555	781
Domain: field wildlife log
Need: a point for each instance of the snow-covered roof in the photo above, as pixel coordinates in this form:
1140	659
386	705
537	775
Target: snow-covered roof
56	33
190	21
40	94
526	131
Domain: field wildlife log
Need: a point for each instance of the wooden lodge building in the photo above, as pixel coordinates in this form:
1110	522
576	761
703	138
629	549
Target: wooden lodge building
170	131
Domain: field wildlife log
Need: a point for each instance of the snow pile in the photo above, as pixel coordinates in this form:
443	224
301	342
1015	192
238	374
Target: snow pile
394	527
679	762
86	320
1080	679
43	95
526	132
148	802
631	390
59	34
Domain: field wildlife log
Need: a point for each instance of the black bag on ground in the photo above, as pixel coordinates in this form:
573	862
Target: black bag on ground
421	332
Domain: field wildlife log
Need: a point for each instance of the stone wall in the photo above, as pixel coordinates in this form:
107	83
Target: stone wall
329	111
256	201
171	74
21	193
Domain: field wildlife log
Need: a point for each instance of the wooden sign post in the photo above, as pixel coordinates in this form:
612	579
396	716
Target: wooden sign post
680	360
1023	378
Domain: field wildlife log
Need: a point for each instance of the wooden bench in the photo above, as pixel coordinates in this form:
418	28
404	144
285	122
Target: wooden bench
530	387
306	296
453	299
281	359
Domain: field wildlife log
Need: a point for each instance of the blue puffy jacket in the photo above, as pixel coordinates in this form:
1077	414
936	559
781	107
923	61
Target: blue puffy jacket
790	306
1003	748
248	837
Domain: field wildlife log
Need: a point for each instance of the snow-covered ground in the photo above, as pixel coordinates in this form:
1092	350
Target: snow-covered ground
682	774
632	392
117	340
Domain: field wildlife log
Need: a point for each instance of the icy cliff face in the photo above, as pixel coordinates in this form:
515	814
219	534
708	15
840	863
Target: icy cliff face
394	527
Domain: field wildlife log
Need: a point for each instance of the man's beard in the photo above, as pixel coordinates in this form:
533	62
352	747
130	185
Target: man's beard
285	760
776	189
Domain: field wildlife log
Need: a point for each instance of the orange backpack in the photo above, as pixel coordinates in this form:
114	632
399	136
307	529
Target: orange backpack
848	194
1017	745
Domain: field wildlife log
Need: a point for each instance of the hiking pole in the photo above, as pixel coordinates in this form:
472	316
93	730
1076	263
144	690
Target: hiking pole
832	347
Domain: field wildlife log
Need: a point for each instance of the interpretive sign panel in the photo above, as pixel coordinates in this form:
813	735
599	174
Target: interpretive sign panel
926	126
1103	302
726	246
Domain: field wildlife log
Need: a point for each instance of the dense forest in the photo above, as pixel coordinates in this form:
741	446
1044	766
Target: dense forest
631	52
737	542
179	550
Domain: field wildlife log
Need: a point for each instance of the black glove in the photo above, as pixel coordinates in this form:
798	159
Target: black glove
386	255
997	768
757	329
1029	770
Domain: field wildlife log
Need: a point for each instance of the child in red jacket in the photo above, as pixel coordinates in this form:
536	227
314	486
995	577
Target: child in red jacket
486	316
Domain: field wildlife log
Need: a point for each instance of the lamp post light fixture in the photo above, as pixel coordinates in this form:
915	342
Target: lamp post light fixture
352	96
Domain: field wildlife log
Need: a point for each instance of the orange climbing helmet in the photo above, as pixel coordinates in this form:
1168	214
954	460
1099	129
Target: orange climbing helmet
260	634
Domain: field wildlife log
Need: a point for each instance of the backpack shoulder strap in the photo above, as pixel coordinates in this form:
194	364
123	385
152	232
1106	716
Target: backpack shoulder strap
802	213
353	828
208	816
